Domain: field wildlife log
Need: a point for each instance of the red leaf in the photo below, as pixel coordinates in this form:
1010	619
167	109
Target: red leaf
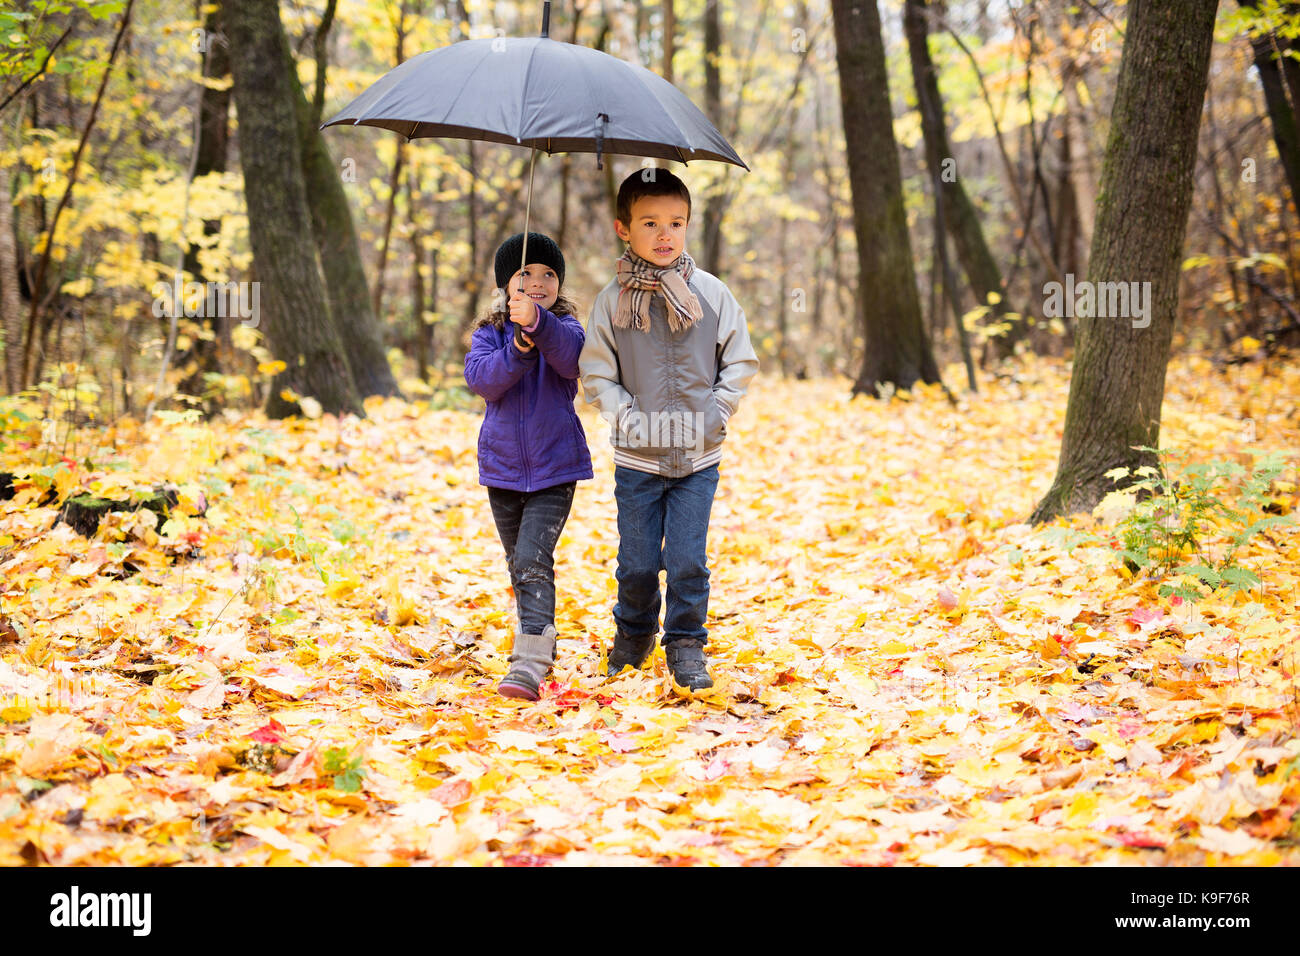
272	733
1129	728
1141	839
452	792
565	697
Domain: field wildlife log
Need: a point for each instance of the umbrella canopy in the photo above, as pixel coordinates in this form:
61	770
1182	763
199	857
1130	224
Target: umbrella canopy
541	93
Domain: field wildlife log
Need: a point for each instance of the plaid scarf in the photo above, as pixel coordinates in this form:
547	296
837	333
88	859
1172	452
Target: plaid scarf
640	280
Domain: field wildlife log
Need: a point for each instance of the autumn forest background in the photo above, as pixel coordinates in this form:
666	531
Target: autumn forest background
996	579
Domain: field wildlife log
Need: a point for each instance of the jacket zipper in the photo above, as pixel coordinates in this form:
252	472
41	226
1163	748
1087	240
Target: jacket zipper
523	451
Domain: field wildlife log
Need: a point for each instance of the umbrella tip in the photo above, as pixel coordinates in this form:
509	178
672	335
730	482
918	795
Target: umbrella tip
546	18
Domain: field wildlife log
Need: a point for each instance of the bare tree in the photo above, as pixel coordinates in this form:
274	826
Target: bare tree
959	215
896	349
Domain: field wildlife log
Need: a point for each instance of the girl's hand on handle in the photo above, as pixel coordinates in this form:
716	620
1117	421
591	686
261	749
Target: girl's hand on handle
523	310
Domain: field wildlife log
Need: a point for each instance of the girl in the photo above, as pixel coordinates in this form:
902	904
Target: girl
532	451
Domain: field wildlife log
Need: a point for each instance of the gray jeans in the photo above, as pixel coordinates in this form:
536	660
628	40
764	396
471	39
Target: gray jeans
529	524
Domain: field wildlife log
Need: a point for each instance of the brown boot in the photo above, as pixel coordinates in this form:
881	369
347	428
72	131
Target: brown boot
628	652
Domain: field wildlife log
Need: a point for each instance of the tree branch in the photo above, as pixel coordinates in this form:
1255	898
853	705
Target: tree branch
41	69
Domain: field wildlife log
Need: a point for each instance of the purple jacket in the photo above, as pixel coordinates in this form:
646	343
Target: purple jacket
531	437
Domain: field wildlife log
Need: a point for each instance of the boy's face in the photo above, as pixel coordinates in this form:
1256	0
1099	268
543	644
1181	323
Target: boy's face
657	232
540	283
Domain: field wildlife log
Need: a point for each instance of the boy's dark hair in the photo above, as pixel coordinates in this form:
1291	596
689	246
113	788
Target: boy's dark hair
650	181
500	315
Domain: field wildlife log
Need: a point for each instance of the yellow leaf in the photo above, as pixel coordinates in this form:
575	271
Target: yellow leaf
341	585
1082	810
16	714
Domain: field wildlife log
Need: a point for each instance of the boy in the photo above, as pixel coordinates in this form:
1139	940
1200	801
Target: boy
666	361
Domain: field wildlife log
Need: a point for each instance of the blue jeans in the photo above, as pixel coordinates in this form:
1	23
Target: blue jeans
663	524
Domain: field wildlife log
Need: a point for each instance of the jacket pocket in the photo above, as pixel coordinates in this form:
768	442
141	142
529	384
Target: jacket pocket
629	429
717	424
498	450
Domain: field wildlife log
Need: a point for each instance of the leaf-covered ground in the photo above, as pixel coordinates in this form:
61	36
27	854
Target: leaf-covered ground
299	666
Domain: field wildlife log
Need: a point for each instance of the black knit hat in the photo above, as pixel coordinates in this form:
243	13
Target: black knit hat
542	251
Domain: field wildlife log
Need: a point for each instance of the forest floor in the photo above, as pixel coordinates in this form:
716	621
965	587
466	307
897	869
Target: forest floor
300	665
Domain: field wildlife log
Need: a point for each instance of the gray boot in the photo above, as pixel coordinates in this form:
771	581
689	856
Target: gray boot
529	664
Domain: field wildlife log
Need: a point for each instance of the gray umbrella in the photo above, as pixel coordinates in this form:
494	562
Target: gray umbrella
540	93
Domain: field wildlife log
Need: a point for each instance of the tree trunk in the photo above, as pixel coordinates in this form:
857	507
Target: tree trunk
1083	175
358	327
210	157
566	164
394	181
960	217
295	315
1067	207
417	282
435	351
473	284
670	38
783	304
607	184
10	301
1118	379
1271	56
711	220
896	350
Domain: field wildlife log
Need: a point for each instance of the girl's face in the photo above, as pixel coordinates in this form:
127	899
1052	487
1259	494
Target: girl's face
540	283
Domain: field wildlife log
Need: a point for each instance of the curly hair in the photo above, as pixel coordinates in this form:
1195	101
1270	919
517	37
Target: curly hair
497	318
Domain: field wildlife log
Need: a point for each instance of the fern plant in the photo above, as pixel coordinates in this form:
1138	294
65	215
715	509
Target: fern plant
1185	513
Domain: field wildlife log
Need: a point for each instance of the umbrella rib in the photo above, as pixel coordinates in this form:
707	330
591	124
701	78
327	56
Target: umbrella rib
683	135
461	92
523	99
